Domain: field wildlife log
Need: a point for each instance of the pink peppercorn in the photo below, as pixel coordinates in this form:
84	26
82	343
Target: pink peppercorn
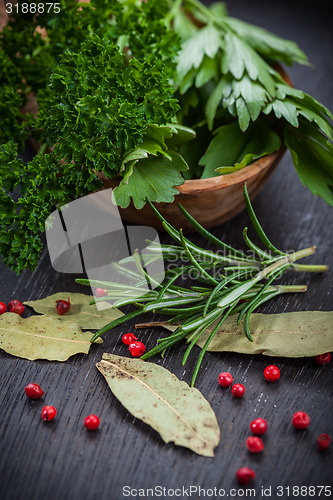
225	379
238	391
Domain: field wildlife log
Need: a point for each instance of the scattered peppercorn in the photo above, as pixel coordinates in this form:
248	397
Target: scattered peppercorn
63	306
244	475
91	422
3	308
128	338
34	391
258	426
271	373
137	348
323	359
225	379
254	444
16	306
323	442
301	420
48	413
238	391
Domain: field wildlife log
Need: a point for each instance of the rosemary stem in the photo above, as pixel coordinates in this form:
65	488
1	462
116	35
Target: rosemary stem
312	268
284	261
302	253
273	267
292	288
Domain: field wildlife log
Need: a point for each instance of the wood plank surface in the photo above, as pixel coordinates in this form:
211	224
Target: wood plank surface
61	460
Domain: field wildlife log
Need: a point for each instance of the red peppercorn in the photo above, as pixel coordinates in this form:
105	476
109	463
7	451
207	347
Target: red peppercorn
48	413
254	444
258	426
91	422
321	359
244	475
225	379
271	373
238	391
323	442
63	306
100	292
34	391
3	308
16	306
137	348
301	420
128	338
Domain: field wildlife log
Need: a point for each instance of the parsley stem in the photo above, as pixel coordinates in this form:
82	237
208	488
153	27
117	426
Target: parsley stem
42	149
173	11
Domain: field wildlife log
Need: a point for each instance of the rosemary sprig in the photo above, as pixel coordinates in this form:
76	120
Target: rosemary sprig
232	283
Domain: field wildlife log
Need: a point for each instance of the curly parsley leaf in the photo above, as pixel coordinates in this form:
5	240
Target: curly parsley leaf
22	222
98	129
13	123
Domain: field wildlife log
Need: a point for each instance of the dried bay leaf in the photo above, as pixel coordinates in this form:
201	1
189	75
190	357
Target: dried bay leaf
291	335
179	413
42	337
85	315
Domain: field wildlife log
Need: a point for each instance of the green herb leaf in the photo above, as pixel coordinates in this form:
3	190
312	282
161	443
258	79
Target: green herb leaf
231	149
22	220
42	337
179	413
268	44
209	70
158	139
152	179
183	26
312	155
247	60
10	103
204	42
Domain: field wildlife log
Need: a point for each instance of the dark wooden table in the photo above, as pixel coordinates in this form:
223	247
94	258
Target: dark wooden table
61	460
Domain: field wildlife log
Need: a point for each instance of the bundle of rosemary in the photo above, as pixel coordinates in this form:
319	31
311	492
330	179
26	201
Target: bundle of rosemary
231	282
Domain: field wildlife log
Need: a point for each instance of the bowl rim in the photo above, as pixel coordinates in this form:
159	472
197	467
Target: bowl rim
233	178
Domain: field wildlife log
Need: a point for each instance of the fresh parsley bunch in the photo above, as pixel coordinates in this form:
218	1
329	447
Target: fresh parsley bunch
148	92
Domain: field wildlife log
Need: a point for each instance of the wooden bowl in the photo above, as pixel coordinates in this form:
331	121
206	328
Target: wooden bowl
210	201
